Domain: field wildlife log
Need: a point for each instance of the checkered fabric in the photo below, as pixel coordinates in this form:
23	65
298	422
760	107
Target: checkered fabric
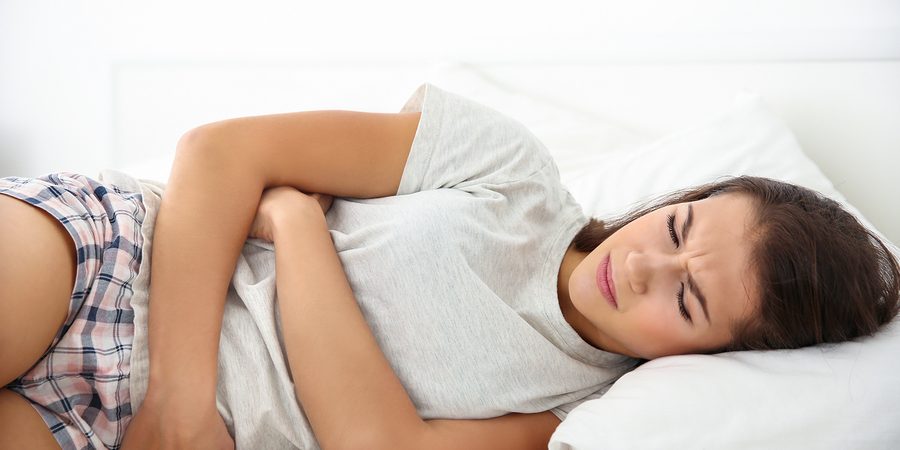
80	386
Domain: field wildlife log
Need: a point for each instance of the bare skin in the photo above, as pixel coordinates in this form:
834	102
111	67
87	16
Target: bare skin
37	273
648	272
259	152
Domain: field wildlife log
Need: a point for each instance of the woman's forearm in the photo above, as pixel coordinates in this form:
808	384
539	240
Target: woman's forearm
203	221
346	386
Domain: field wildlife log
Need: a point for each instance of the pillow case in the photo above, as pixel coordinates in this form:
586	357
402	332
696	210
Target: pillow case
570	132
832	396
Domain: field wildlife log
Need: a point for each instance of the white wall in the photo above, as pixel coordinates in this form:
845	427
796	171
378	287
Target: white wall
60	60
87	84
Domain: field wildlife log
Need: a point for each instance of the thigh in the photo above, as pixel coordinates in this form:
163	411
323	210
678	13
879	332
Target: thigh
20	424
37	273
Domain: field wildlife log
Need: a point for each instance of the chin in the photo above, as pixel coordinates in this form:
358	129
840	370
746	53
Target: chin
633	354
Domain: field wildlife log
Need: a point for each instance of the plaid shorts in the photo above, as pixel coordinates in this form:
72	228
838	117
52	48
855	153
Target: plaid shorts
80	386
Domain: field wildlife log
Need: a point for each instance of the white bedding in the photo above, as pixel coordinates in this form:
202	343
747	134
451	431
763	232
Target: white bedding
833	396
824	397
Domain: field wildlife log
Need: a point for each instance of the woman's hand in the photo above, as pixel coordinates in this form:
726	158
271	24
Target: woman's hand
162	425
169	421
282	203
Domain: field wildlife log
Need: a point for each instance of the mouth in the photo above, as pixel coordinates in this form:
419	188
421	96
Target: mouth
605	283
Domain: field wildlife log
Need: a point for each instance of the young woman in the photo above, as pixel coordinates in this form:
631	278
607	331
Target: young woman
441	288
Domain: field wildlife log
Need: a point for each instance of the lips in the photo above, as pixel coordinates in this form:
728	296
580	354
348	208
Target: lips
610	281
604	282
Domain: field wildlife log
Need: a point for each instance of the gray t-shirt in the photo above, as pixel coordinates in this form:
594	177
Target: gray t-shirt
456	275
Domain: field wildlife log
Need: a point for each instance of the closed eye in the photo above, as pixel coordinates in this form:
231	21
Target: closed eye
671	223
680	295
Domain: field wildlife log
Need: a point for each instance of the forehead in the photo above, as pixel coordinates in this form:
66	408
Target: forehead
719	248
728	215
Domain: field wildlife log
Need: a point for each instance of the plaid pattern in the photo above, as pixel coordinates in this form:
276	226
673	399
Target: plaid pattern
80	386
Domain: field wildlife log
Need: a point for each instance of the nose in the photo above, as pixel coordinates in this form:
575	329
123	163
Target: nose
645	268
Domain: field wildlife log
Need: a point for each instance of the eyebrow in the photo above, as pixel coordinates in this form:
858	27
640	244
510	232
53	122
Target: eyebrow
694	288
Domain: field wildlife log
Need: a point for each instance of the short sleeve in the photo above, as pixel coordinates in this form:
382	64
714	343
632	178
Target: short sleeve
562	411
461	144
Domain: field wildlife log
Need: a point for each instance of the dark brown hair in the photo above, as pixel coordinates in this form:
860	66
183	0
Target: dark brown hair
822	275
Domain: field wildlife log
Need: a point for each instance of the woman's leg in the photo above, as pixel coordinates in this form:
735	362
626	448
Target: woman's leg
20	424
37	272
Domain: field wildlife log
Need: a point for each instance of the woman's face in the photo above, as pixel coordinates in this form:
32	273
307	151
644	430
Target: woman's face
703	259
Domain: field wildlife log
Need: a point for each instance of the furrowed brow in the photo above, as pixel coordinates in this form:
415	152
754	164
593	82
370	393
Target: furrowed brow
688	221
692	286
696	291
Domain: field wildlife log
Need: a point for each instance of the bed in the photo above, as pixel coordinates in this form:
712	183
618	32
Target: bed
797	122
806	91
828	396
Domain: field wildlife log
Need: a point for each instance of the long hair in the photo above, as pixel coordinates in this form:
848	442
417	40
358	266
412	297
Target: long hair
823	276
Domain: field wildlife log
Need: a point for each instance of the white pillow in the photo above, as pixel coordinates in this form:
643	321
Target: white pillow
830	396
569	131
834	396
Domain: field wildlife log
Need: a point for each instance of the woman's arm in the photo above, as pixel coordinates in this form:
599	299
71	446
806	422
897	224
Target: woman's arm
206	211
212	196
218	176
347	388
205	214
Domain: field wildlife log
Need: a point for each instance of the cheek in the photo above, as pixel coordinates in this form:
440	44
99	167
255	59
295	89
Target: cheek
583	287
654	330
